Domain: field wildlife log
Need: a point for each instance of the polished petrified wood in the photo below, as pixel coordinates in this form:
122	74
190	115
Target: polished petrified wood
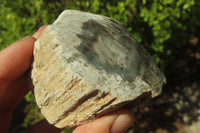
86	65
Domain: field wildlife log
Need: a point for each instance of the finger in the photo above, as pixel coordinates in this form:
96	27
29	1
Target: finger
43	127
116	122
17	89
12	96
15	60
39	32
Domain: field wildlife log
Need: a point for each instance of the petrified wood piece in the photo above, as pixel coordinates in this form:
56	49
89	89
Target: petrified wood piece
86	65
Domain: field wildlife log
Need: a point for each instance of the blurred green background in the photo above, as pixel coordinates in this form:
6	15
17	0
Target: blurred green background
167	28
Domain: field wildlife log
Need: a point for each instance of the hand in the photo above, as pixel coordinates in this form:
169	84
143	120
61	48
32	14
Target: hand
15	61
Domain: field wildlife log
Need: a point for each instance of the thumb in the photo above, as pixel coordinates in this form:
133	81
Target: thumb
115	122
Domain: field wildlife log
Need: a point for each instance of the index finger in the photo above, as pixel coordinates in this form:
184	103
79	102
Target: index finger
16	59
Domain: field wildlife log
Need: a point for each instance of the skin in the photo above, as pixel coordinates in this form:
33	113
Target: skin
15	82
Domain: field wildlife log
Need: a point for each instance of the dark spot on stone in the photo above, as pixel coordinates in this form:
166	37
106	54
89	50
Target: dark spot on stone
121	57
70	59
73	57
40	65
55	46
86	65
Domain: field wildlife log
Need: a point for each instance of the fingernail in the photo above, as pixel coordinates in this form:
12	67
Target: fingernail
122	123
38	33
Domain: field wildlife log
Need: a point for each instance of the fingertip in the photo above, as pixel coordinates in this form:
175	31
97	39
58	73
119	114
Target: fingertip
122	122
39	32
27	39
100	125
16	58
115	122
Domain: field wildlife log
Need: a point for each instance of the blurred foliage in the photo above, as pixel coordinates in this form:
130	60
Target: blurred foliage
32	111
156	24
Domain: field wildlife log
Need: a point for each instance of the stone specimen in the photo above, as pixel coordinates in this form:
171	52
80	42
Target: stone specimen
86	65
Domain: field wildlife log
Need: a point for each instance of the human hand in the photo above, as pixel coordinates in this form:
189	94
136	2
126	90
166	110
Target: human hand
15	62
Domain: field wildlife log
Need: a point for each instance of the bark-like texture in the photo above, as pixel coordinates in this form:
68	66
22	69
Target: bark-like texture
86	65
